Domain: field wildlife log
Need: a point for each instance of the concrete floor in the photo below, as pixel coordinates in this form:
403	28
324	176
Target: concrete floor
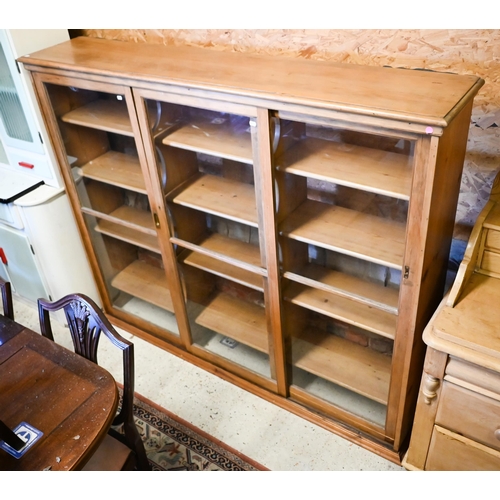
276	438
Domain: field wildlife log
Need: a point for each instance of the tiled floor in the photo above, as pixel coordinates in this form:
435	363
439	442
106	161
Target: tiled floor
264	432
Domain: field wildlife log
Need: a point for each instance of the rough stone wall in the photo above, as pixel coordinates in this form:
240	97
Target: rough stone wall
460	51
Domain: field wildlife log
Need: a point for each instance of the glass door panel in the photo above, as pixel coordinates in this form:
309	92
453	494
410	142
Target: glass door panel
16	128
102	156
342	229
227	317
204	161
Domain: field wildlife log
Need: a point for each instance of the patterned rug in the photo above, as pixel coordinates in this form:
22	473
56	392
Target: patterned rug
175	445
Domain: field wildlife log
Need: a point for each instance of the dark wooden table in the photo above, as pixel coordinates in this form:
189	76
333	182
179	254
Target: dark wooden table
65	396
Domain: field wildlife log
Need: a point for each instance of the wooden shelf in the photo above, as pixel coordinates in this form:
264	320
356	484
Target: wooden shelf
341	308
223	269
344	363
237	319
145	282
347	231
117	169
359	167
102	114
129	235
140	220
232	248
339	283
222	140
219	196
227	247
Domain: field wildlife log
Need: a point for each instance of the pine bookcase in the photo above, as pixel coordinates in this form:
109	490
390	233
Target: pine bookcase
283	223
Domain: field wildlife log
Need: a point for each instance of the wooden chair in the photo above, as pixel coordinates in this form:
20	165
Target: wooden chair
86	322
8	307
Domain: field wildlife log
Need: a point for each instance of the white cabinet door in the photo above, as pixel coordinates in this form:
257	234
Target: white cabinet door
18	265
17	128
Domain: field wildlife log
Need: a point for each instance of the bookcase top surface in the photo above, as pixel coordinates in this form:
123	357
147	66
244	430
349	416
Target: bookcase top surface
418	96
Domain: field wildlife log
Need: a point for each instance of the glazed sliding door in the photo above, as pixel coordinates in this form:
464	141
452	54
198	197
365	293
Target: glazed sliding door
102	160
344	197
202	156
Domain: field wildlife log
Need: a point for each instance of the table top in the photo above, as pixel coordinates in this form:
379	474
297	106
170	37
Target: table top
14	184
71	400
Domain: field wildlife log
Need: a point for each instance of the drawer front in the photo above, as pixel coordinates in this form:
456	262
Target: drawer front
449	451
9	214
491	262
469	414
30	163
493	240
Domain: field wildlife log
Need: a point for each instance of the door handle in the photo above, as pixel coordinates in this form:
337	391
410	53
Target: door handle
3	257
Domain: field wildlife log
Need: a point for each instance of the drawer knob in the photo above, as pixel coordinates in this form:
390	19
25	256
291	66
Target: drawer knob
26	164
497	434
429	388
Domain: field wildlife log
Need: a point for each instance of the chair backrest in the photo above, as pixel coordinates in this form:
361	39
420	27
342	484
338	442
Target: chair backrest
86	322
8	307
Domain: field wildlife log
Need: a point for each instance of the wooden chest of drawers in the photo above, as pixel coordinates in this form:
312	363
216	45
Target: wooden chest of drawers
457	422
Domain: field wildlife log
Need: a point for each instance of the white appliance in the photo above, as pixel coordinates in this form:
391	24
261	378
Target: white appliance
41	252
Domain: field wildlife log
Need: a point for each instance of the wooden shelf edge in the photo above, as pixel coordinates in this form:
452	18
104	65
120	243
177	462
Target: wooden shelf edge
343	309
117	169
237	319
128	235
102	114
145	282
227	250
198	193
212	139
223	269
337	360
380	172
115	217
327	286
349	232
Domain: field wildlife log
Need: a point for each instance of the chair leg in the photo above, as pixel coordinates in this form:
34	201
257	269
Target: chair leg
8	306
133	437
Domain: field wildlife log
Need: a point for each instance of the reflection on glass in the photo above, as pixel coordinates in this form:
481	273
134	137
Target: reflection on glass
102	154
343	211
205	165
227	318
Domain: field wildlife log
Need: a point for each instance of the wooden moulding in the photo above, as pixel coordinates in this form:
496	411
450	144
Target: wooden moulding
473	321
408	96
359	167
348	231
145	282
